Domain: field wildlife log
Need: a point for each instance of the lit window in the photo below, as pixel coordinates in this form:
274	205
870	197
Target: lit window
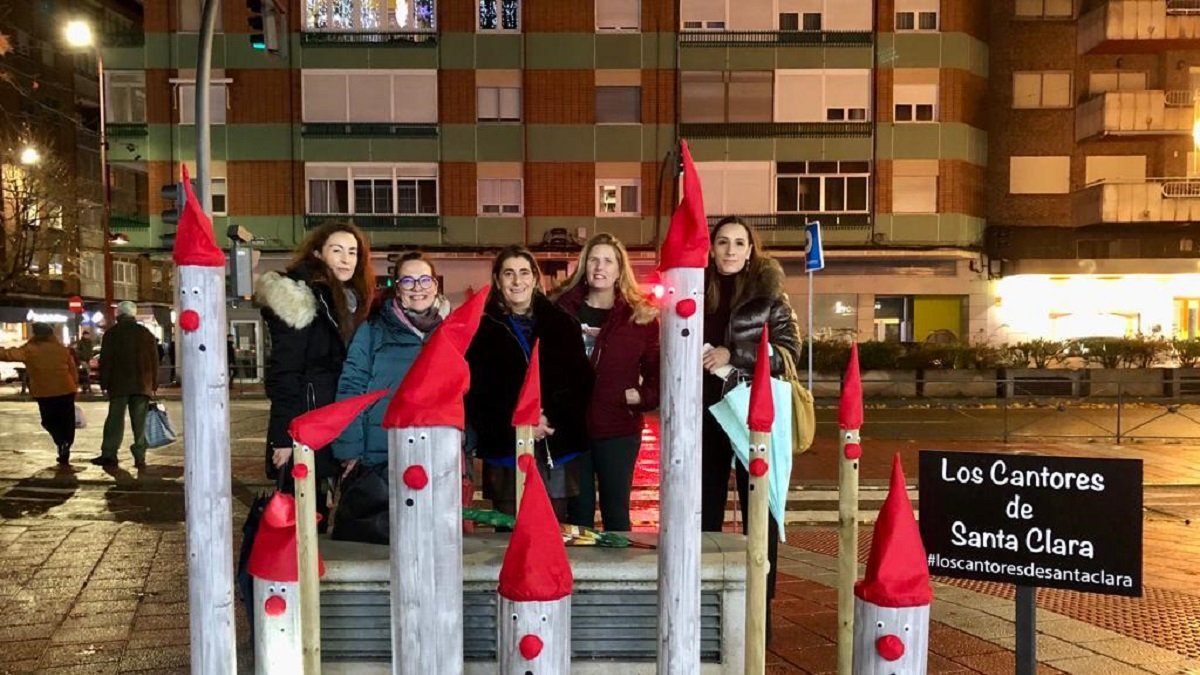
618	197
499	15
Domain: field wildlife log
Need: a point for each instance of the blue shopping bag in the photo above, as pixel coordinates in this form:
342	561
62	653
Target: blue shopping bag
159	431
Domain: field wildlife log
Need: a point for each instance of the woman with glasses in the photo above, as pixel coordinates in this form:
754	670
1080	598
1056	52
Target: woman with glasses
383	350
518	316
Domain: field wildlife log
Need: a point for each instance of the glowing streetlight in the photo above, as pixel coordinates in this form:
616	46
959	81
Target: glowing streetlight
79	34
30	156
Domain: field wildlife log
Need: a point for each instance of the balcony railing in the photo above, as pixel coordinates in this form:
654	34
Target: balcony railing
776	130
767	38
377	222
1130	113
1184	7
318	38
838	222
119	222
356	130
1153	200
1124	20
127	129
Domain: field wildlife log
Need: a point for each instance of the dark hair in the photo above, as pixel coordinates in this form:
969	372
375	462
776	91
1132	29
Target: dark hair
758	258
513	251
362	283
410	256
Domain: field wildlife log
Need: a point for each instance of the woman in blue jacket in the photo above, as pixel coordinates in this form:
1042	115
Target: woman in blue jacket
381	353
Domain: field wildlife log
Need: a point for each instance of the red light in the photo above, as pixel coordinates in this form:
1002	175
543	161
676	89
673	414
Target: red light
658	291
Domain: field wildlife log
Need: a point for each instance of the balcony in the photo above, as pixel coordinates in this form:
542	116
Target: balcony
772	38
370	223
1135	113
776	130
836	222
367	130
1132	26
1152	200
318	38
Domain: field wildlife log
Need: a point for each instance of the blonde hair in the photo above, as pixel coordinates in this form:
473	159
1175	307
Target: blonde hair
626	283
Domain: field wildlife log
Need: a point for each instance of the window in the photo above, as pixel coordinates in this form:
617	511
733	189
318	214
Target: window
54	267
500	197
91	266
190	15
618	197
821	187
703	14
816	95
618	15
915	102
1044	9
220	195
917	15
370	15
370	96
218	101
914	186
1102	81
1100	168
498	104
125	273
1039	175
125	96
618	105
499	15
736	96
372	189
737	187
1033	89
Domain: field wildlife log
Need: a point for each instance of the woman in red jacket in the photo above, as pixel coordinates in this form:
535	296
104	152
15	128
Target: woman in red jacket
620	332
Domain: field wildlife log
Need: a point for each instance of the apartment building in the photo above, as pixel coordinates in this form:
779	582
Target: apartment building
1092	191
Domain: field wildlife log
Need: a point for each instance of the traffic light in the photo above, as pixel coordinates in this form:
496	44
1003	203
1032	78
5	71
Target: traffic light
173	192
265	29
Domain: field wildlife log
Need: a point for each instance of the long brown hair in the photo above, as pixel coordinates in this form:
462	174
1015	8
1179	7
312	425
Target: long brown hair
626	284
307	258
741	285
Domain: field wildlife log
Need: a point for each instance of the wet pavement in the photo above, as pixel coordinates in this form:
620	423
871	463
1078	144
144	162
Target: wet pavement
93	573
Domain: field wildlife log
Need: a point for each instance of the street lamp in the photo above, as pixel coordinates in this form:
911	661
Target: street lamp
30	156
79	35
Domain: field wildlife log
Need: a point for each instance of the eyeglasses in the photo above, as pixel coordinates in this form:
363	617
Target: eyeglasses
410	283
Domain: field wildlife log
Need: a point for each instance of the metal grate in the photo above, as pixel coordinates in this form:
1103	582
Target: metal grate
1181	189
356	626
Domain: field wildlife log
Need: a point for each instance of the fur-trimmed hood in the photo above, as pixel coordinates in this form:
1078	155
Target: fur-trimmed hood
292	300
766	279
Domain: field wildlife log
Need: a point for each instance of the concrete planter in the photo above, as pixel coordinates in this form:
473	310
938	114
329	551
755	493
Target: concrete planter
1108	382
959	384
889	383
1040	382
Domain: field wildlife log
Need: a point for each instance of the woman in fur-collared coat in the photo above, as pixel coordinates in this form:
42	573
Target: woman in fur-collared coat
311	312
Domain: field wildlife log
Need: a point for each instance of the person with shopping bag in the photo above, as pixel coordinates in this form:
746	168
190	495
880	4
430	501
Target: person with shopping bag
52	381
129	376
744	290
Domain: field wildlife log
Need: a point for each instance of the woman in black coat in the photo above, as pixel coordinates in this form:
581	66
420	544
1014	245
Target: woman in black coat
311	312
743	290
518	315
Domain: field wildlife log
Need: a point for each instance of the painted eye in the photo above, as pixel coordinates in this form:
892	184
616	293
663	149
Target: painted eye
879	625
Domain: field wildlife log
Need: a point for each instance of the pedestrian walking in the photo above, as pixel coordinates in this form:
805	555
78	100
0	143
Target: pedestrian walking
85	349
312	310
382	351
50	366
129	377
744	290
620	334
517	316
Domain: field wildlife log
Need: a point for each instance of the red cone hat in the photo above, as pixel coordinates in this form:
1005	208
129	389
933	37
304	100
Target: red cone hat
686	243
317	428
431	394
850	408
273	554
762	401
535	567
897	571
529	403
194	242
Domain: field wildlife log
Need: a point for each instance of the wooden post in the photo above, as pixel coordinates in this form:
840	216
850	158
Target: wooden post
757	565
426	543
850	420
679	532
527	414
525	444
308	569
534	636
206	469
890	649
277	649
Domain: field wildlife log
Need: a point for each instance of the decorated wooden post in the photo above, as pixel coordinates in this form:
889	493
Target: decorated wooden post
278	643
534	616
760	419
850	421
200	267
425	420
315	429
682	260
527	415
891	607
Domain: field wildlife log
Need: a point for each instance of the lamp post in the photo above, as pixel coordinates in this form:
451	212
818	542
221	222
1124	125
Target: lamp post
79	35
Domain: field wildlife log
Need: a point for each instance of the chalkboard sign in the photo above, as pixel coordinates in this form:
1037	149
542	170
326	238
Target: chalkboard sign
1061	522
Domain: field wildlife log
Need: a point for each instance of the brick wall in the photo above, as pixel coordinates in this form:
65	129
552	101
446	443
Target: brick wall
657	194
560	97
560	189
962	97
960	187
883	186
160	94
457	16
965	16
266	188
156	16
659	16
557	16
885	17
884	81
264	96
459	189
658	97
456	96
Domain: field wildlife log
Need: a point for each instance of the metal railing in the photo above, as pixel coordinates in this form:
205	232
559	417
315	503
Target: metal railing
1181	189
314	37
1183	7
796	221
776	130
361	130
1181	98
392	222
760	38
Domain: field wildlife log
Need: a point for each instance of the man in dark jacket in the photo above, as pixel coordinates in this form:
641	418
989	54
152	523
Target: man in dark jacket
129	376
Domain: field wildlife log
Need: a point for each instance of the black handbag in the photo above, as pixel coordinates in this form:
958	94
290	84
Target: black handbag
362	507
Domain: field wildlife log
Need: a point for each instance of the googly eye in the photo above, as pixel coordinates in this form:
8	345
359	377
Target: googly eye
424	437
879	625
671	291
544	619
411	440
907	628
520	442
271	589
514	616
283	590
195	290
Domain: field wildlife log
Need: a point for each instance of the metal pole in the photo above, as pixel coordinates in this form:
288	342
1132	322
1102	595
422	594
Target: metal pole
203	79
810	330
106	195
1026	630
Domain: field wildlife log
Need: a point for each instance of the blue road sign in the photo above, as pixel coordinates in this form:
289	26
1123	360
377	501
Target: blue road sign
814	255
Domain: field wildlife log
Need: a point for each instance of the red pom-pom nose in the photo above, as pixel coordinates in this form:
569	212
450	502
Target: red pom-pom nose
890	647
685	308
275	605
531	646
189	320
758	467
415	477
853	451
300	471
